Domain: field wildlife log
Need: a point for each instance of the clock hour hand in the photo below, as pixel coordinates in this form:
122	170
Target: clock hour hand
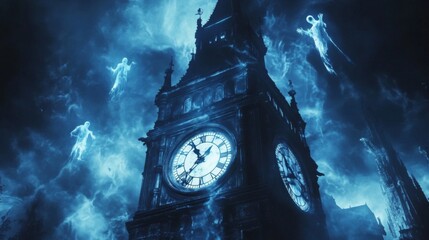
200	159
207	152
291	174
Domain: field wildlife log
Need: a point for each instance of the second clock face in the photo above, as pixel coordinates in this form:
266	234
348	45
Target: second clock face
201	160
292	176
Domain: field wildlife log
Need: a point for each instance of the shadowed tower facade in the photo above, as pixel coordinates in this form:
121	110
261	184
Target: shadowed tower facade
227	157
407	206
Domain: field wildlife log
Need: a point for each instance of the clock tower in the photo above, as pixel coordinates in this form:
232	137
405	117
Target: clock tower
227	158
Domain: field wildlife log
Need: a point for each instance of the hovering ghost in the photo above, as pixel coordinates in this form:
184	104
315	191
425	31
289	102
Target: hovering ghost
81	133
120	73
424	152
321	39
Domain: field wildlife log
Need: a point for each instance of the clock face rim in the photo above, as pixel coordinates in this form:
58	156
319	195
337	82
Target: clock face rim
169	174
291	195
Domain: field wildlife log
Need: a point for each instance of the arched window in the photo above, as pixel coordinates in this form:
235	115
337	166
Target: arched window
198	101
208	97
168	111
222	36
187	106
219	93
240	84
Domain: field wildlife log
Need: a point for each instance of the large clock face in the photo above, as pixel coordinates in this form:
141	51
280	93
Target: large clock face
292	176
201	160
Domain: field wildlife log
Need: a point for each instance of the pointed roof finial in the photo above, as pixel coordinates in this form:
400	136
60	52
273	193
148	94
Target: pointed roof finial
167	78
199	20
291	92
171	64
199	12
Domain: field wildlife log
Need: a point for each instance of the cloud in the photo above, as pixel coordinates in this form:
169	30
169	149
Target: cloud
57	79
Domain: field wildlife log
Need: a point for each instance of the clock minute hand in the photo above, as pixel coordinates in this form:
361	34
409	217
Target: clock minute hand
185	179
196	150
200	159
291	173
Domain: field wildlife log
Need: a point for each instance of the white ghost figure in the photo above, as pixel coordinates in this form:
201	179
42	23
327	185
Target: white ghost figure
120	73
424	152
321	39
81	133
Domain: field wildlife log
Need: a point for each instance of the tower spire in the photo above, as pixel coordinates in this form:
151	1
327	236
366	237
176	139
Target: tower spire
227	39
198	41
167	79
300	122
408	208
292	94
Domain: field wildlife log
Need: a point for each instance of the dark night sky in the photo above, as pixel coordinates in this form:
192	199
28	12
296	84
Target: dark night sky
54	77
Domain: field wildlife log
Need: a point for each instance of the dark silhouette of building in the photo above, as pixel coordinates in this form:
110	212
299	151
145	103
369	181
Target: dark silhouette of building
408	208
227	158
354	223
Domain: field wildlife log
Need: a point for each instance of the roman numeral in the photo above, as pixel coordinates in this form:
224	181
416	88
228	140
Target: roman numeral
192	144
203	139
220	165
201	182
212	175
188	180
221	144
182	175
224	154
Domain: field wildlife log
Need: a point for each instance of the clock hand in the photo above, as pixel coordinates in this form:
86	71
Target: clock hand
196	150
291	174
207	152
185	180
200	159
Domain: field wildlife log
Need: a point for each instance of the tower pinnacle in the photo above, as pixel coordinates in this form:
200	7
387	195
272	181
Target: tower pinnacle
408	208
167	79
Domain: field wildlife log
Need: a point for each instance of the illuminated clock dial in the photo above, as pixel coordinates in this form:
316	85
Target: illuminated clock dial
292	176
201	161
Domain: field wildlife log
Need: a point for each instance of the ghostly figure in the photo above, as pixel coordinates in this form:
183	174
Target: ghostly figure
81	133
321	39
120	73
424	152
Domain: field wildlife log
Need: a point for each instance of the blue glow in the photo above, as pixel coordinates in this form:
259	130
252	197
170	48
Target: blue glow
321	39
424	153
81	134
121	74
93	199
325	134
